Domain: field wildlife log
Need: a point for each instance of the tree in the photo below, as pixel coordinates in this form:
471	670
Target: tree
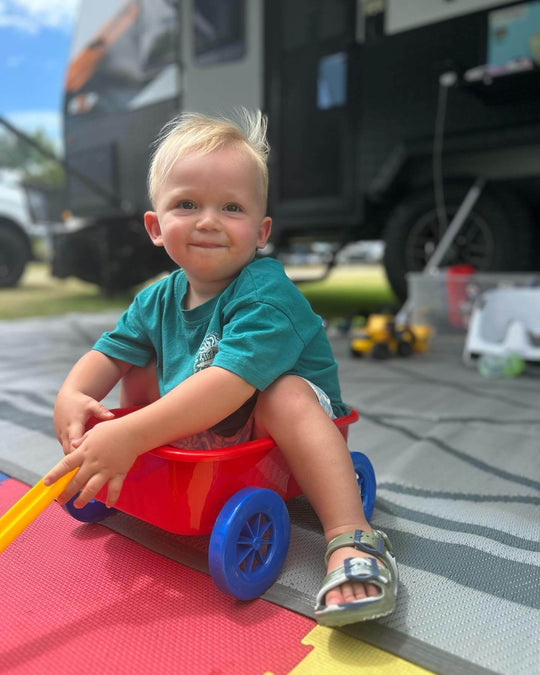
36	167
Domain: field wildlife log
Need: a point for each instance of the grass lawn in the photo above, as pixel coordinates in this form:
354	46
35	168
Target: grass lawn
39	294
346	292
350	290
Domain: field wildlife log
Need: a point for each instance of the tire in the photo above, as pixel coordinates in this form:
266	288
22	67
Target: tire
405	342
404	348
116	254
496	236
380	351
249	543
365	476
93	512
14	255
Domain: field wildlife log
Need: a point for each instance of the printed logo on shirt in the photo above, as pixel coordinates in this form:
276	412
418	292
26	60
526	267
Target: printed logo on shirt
206	353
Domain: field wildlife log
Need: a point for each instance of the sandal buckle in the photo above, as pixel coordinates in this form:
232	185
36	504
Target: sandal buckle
370	569
357	543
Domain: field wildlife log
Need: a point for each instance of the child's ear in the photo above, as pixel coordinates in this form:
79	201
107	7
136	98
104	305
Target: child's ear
265	228
151	223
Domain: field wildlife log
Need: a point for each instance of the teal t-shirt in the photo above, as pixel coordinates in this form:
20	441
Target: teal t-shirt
259	327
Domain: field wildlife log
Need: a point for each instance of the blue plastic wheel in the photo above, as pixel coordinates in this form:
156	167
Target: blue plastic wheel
93	512
365	475
249	543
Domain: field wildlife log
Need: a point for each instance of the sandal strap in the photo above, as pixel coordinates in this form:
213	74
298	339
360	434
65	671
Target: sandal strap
374	543
364	570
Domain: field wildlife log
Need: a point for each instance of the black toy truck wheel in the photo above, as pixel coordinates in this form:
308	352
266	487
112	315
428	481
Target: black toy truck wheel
380	351
404	348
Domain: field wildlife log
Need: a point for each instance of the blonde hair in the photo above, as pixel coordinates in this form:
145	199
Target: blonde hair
194	132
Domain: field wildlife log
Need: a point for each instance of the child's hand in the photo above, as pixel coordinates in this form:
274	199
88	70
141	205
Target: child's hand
71	413
104	454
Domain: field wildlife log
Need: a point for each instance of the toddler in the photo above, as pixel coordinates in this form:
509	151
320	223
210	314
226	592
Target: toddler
223	350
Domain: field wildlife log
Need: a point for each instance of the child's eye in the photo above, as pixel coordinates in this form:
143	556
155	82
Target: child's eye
186	204
233	208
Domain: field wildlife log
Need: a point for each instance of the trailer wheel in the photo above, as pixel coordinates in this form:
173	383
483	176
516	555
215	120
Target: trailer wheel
495	237
14	255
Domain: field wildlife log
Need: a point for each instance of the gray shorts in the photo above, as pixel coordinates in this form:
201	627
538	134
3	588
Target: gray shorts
238	427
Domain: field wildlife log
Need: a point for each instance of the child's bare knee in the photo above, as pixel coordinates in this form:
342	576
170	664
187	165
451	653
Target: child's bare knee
289	394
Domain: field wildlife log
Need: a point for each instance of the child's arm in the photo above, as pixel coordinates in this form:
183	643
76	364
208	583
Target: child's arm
106	453
91	379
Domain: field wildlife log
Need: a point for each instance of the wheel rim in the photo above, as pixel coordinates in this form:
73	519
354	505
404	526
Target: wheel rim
361	483
473	245
255	543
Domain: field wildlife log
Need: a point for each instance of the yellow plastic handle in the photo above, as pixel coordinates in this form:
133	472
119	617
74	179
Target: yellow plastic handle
28	508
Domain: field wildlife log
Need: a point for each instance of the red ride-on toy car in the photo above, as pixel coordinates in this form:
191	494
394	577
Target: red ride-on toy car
236	494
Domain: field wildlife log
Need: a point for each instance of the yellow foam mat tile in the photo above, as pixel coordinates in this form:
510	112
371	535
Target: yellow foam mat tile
339	654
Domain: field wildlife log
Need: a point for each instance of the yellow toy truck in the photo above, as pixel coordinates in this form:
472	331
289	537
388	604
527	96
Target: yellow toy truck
382	337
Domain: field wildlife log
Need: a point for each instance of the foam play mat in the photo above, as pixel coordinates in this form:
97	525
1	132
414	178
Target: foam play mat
458	473
79	598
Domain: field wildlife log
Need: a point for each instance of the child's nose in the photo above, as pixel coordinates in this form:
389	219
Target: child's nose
208	220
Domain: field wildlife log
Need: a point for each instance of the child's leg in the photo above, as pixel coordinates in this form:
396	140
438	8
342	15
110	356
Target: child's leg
139	386
320	461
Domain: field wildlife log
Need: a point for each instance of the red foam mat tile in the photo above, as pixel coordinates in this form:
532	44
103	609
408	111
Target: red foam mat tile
78	598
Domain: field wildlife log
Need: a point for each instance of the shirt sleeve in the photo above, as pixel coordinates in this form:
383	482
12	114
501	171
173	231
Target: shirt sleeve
128	341
259	344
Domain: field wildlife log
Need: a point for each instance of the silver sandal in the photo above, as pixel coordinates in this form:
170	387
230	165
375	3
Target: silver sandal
366	570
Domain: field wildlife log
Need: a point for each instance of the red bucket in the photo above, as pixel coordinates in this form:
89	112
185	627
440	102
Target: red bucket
456	280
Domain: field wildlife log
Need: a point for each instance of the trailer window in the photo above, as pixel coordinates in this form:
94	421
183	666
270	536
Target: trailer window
513	35
219	30
332	81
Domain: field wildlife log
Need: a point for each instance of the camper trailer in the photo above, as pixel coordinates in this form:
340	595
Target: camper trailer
382	114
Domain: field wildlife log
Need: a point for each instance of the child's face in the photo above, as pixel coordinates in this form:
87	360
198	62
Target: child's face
209	216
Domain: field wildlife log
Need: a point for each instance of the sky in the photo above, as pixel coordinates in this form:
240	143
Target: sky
35	37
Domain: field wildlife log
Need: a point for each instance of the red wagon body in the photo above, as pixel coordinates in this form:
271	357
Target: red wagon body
183	491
